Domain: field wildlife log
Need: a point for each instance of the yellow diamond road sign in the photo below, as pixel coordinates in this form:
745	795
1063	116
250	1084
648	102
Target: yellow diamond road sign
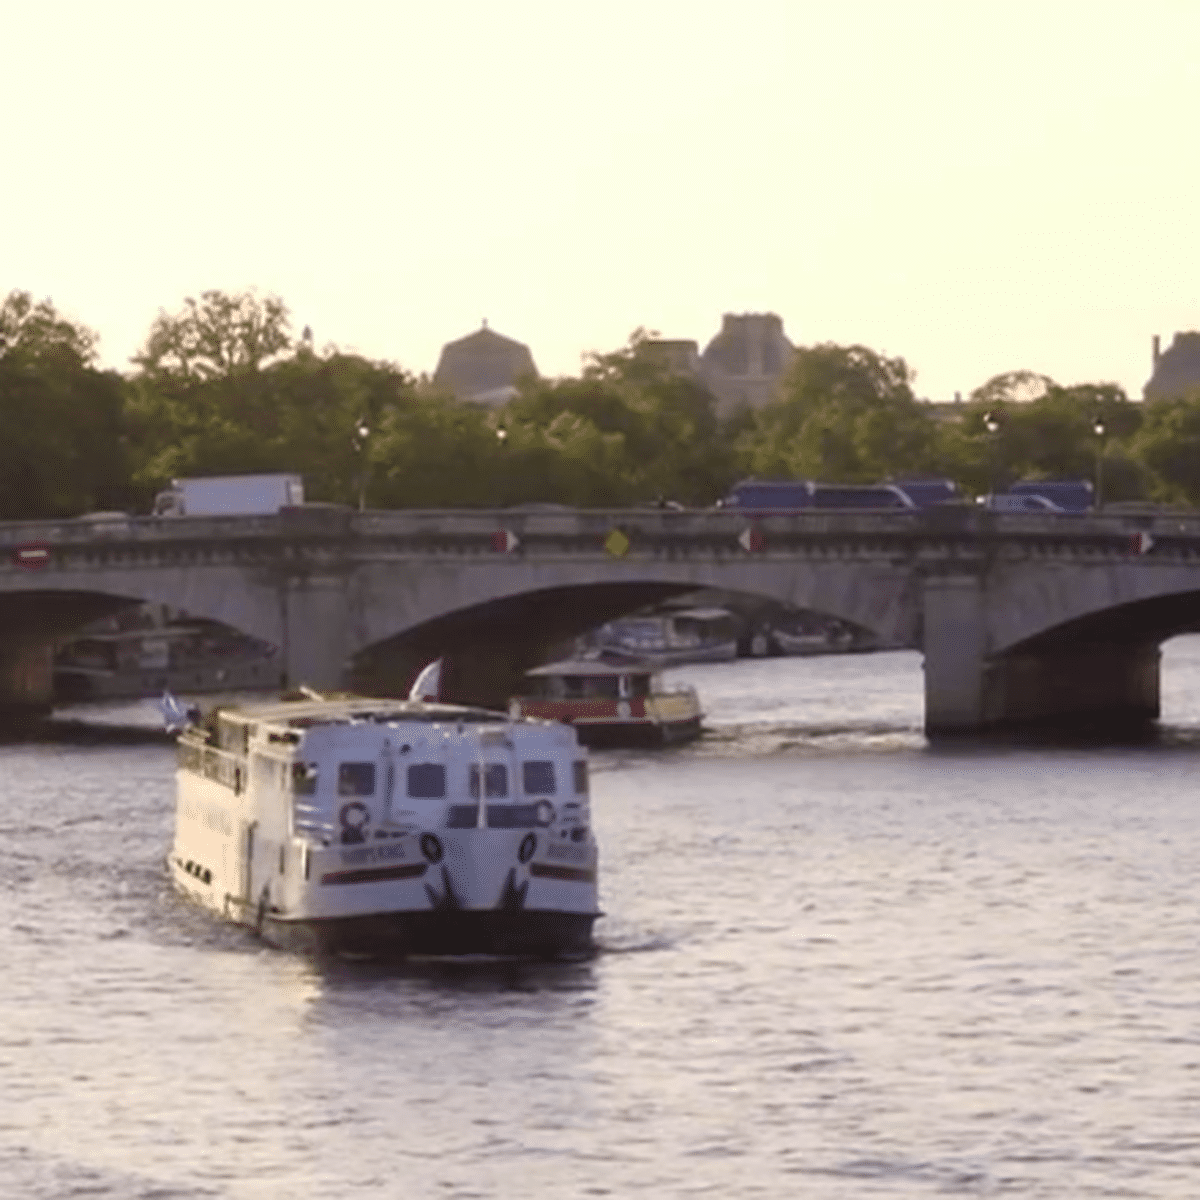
616	543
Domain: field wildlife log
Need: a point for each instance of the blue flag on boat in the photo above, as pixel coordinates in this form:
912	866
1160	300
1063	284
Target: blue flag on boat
175	715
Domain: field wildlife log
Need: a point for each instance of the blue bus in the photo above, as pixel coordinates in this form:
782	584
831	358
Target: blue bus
924	493
768	495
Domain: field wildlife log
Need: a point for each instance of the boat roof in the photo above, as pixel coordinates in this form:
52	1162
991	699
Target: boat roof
343	710
597	667
702	614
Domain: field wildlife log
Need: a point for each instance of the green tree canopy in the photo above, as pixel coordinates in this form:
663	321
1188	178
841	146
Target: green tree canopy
1167	444
62	431
846	414
221	334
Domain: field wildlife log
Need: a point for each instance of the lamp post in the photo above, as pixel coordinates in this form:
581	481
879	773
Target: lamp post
362	431
991	422
502	480
1098	430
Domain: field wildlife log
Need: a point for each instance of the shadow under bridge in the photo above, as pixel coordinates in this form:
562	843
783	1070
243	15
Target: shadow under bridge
487	648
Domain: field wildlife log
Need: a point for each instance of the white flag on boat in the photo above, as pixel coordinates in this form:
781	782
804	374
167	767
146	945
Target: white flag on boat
428	685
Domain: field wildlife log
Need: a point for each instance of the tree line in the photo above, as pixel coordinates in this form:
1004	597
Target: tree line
222	386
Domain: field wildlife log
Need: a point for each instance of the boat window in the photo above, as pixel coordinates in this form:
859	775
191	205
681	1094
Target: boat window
462	816
513	816
641	685
427	781
304	778
581	776
495	780
602	685
356	779
538	778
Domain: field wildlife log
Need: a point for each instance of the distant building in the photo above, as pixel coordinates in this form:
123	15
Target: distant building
742	366
744	363
1176	370
484	367
680	356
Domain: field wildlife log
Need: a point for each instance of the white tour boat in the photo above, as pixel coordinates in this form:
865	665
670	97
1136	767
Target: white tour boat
388	827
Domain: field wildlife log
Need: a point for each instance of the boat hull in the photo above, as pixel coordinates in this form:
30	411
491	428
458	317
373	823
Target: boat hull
529	933
617	735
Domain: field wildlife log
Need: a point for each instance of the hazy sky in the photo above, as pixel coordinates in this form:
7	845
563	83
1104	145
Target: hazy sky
978	187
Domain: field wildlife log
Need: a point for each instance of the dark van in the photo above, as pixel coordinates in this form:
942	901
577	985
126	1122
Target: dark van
1071	495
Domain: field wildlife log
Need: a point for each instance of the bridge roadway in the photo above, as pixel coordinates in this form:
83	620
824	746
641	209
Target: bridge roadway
1020	618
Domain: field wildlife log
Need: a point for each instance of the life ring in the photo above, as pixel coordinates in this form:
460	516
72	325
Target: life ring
354	816
527	847
431	847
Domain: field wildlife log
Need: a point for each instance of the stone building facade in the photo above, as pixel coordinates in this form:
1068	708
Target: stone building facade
1176	369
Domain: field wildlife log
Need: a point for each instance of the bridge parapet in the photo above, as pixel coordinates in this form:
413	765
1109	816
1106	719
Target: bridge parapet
962	534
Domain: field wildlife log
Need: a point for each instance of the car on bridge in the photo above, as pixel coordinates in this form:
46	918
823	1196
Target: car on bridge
1069	495
1007	502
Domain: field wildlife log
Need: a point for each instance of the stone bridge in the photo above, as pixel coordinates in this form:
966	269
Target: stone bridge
1020	618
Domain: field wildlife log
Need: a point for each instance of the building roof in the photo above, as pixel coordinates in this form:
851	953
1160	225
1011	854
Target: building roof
484	366
1177	369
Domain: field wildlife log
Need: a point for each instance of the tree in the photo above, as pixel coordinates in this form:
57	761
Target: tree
37	330
630	430
62	433
845	414
1168	445
204	400
1052	436
221	334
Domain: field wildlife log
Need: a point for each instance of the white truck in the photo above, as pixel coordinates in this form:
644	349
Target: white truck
229	496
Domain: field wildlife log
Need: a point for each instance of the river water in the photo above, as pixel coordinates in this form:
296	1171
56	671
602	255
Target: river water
836	962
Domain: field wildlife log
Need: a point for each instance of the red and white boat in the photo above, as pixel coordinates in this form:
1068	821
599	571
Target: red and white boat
611	701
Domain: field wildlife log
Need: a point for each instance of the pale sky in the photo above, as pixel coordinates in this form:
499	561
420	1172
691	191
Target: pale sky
977	187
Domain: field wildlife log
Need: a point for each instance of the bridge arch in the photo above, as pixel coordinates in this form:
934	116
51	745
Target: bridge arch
503	621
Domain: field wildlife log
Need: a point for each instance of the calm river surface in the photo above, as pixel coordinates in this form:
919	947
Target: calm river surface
836	962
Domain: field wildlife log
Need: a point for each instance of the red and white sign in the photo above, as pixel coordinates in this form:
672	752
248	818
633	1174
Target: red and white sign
751	539
33	555
504	541
1142	543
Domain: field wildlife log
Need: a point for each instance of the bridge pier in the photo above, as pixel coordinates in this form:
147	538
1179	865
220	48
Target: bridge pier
955	645
969	690
26	680
314	618
1110	684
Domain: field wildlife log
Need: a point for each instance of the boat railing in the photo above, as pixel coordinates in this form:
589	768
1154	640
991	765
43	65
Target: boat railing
208	761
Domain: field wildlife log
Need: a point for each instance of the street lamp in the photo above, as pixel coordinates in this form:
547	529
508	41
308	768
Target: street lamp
991	422
362	431
1098	430
502	442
